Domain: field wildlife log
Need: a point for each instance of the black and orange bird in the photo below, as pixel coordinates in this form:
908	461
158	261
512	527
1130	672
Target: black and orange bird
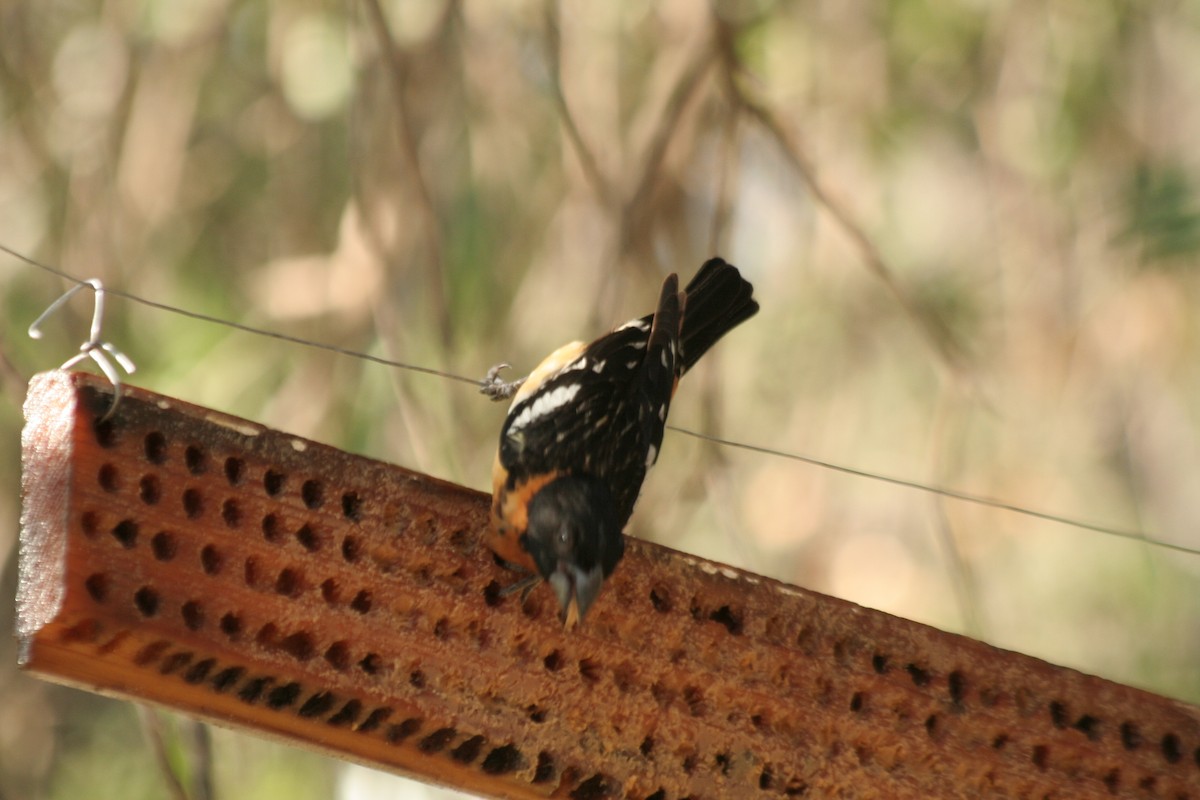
587	424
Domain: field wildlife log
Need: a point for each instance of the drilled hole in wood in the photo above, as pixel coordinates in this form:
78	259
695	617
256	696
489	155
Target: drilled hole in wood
536	714
83	631
289	583
195	460
272	530
371	664
589	670
351	549
1172	748
318	705
299	646
1131	738
193	503
105	432
267	634
199	671
731	619
329	591
146	601
251	573
374	720
544	770
766	779
401	731
553	661
352	506
126	532
646	747
1040	754
856	702
211	559
283	696
957	682
149	490
461	539
1112	781
879	663
175	662
594	788
1000	740
722	761
441	629
312	492
338	655
150	653
492	594
347	714
919	676
437	741
660	598
1089	726
361	602
231	513
155	447
231	625
502	760
760	721
1058	714
931	725
227	678
469	750
273	482
97	586
308	538
694	697
235	469
89	522
253	689
658	794
193	614
416	679
163	546
689	763
806	640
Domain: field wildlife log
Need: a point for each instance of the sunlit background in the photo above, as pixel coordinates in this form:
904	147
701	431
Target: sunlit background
973	228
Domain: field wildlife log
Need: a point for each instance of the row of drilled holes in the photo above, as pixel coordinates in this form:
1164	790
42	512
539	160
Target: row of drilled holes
157	451
150	493
290	581
500	760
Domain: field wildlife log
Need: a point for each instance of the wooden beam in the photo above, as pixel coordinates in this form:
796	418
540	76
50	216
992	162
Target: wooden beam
177	555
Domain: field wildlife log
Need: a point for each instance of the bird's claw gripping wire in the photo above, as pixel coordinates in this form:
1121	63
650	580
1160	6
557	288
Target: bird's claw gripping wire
92	348
496	389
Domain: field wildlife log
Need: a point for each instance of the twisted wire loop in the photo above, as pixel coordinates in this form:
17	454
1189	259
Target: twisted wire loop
93	348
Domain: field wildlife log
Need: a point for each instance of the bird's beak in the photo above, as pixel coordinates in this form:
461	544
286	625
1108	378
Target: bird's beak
576	590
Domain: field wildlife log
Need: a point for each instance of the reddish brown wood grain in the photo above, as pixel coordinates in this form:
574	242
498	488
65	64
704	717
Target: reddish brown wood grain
177	555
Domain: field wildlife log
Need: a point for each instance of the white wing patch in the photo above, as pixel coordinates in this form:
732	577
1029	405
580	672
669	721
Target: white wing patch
635	323
544	404
651	456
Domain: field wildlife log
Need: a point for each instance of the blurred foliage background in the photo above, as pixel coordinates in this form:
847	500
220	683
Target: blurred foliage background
973	227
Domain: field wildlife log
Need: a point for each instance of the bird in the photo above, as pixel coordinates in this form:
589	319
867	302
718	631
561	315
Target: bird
584	428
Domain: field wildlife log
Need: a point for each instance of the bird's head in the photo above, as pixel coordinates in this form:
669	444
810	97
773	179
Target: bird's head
575	540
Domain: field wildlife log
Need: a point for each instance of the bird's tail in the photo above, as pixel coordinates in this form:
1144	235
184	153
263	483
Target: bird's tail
718	300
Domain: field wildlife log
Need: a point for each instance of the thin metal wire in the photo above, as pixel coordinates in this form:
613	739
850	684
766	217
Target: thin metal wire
486	385
93	347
